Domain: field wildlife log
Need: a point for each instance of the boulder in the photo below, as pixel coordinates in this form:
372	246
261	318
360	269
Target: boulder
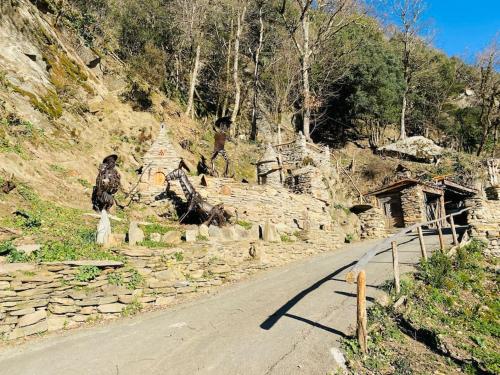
28	249
172	237
155	237
4	285
191	235
203	231
228	234
269	233
135	234
214	231
32	318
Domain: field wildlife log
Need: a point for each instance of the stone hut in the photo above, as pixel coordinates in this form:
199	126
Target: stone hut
409	201
269	168
159	160
307	180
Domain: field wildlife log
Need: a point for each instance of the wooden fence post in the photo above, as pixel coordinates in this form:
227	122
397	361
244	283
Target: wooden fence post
453	231
422	243
362	323
395	266
440	233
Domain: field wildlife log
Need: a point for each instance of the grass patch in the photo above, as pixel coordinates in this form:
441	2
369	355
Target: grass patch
245	224
132	308
87	273
455	301
65	234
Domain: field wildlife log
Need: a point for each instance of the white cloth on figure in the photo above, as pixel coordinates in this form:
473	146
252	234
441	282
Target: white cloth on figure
103	229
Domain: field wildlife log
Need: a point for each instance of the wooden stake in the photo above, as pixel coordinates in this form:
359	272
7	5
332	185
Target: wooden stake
362	323
395	266
422	243
453	231
440	233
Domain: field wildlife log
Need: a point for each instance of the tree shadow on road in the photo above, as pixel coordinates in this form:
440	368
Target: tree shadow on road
318	325
283	310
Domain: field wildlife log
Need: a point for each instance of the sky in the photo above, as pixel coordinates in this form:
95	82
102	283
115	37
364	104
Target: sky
463	27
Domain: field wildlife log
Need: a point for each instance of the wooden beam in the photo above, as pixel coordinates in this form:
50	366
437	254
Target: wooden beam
361	316
422	243
395	266
453	231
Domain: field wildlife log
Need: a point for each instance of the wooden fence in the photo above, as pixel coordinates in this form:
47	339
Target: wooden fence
358	272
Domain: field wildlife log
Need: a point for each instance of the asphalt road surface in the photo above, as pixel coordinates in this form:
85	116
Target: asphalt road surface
282	321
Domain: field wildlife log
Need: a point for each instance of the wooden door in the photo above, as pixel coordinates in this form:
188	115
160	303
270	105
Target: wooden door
391	205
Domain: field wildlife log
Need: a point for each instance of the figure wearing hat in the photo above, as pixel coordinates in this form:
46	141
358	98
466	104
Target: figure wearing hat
106	185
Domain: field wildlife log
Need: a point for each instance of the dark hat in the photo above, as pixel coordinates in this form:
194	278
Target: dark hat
110	159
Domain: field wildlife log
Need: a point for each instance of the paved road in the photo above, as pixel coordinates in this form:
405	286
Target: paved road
283	321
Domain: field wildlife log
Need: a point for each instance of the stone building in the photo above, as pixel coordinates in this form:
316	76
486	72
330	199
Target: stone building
298	165
159	160
484	214
409	201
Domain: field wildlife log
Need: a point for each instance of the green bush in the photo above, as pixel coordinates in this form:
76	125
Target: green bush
87	273
19	257
434	271
115	278
6	247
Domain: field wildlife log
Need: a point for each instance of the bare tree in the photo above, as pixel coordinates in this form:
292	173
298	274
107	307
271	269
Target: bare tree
308	43
409	13
192	17
256	55
240	19
488	93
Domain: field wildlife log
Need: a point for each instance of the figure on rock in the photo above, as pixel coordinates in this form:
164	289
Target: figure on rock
222	126
106	185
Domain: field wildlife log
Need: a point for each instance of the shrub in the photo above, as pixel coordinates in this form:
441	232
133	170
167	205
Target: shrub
435	270
6	247
87	273
245	224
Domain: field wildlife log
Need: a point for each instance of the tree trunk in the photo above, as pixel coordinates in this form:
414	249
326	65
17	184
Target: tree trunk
192	83
236	77
255	130
228	72
402	134
306	92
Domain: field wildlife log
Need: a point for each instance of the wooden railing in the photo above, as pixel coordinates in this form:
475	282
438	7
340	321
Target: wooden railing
357	271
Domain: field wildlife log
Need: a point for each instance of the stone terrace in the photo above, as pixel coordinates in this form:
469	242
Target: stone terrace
49	297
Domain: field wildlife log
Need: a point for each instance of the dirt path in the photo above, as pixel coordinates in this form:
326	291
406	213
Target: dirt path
284	321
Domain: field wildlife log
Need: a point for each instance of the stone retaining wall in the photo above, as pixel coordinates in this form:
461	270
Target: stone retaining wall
372	223
484	221
48	297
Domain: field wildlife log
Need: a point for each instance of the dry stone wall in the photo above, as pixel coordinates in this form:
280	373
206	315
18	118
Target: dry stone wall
372	223
484	220
47	297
